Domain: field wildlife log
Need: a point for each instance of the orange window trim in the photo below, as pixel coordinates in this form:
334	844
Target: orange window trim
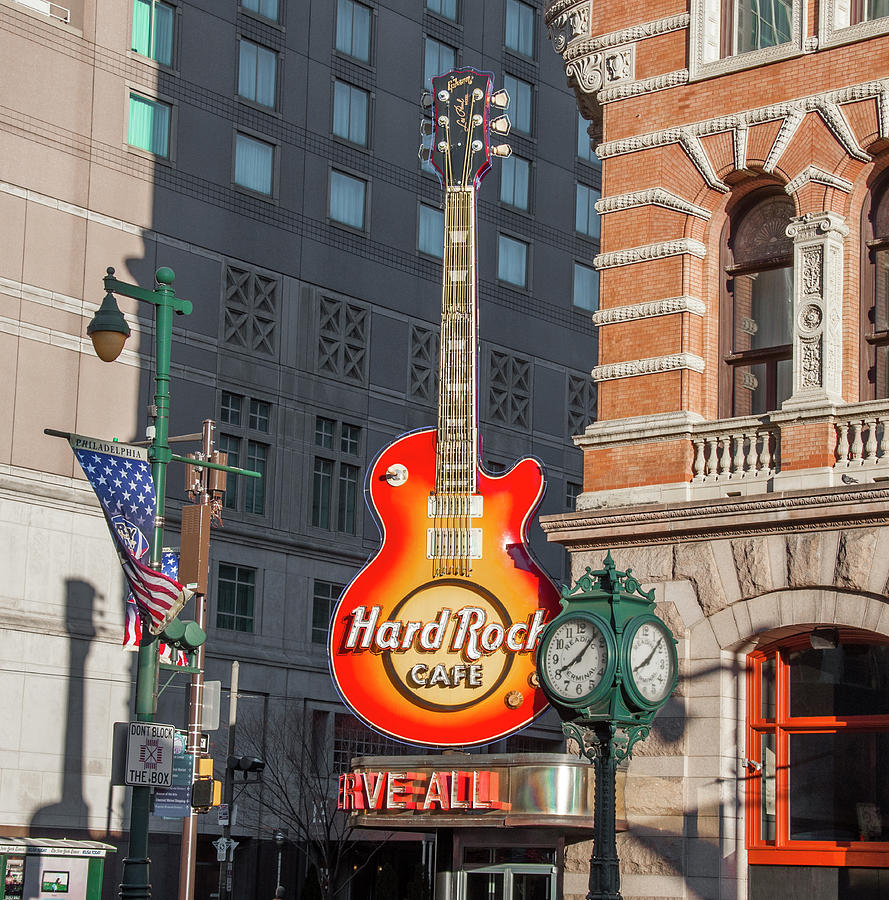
782	850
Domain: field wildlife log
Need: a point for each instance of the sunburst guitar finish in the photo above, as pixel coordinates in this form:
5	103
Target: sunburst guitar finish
434	640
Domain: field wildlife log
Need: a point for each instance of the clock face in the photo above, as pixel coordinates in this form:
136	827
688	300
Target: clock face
575	658
652	661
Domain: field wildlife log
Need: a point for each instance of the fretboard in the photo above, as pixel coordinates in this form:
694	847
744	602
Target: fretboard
457	440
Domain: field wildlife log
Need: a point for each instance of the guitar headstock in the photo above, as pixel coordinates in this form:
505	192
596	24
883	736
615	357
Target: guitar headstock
461	150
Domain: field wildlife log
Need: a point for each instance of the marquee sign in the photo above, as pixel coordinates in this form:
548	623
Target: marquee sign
526	789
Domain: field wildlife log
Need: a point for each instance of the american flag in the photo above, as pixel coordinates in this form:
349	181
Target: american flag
121	477
132	629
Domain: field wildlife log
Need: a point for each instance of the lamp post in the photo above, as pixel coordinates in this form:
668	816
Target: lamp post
279	843
108	331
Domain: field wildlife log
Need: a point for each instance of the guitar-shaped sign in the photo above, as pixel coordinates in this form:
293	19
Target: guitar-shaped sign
434	640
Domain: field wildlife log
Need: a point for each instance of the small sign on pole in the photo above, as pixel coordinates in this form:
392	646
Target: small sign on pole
150	754
222	814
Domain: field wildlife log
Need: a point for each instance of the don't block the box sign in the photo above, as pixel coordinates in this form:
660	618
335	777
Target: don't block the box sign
448	791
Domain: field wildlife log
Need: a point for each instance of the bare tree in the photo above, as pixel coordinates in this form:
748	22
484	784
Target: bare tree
298	792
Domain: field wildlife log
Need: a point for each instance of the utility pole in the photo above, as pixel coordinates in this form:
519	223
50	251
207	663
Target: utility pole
205	487
226	865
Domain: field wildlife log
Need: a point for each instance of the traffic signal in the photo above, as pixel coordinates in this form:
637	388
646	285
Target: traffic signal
246	764
206	792
187	636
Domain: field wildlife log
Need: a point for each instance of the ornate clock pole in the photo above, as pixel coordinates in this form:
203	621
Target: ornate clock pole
607	664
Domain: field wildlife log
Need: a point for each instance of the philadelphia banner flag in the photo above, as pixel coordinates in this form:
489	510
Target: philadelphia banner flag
121	477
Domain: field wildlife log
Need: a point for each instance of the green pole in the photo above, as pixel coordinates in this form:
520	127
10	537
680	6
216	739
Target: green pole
135	883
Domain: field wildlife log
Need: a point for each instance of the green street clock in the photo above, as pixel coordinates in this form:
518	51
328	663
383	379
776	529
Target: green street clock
606	657
578	657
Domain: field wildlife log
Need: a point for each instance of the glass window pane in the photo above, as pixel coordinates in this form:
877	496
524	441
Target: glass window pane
520	27
839	786
586	217
322	483
149	125
348	498
586	287
254	488
324	432
584	142
749	395
141	37
875	9
520	103
767	688
763	309
512	261
267	8
439	58
230	446
346	199
515	176
850	680
431	236
254	164
235	598
350	440
761	23
350	113
353	29
446	8
324	595
260	414
162	33
230	408
257	68
768	816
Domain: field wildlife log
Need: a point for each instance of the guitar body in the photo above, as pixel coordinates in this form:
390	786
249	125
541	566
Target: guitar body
466	667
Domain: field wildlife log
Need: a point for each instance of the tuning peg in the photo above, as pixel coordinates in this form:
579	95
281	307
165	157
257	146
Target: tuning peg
502	150
426	127
500	125
500	99
424	153
426	100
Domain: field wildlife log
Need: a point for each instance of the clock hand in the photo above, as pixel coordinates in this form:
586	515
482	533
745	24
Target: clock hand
648	658
576	659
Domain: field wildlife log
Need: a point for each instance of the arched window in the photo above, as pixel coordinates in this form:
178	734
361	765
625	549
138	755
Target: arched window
757	310
817	755
875	300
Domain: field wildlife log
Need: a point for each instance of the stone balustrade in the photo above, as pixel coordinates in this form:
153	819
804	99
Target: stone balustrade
862	437
736	449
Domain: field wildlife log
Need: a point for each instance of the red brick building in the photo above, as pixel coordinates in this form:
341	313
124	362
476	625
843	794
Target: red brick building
741	456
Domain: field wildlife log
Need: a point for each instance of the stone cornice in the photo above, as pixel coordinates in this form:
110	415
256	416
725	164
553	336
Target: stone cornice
827	105
624	36
650	309
713	519
654	365
651	197
648	252
813	173
645	86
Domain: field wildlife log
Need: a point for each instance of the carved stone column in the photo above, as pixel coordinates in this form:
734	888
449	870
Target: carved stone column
817	308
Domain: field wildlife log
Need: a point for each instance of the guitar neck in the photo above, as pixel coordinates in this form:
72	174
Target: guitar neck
457	444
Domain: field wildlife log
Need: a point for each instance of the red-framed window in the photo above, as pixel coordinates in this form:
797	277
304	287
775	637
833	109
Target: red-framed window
818	750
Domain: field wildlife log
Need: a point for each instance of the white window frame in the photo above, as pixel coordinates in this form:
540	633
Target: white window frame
705	41
833	27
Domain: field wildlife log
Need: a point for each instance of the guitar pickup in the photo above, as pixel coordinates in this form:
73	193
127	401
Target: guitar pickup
453	543
454	505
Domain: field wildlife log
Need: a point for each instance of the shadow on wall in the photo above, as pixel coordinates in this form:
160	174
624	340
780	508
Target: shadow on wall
69	816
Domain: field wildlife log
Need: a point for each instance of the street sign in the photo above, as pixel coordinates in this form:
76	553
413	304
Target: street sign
175	801
222	814
223	846
150	754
